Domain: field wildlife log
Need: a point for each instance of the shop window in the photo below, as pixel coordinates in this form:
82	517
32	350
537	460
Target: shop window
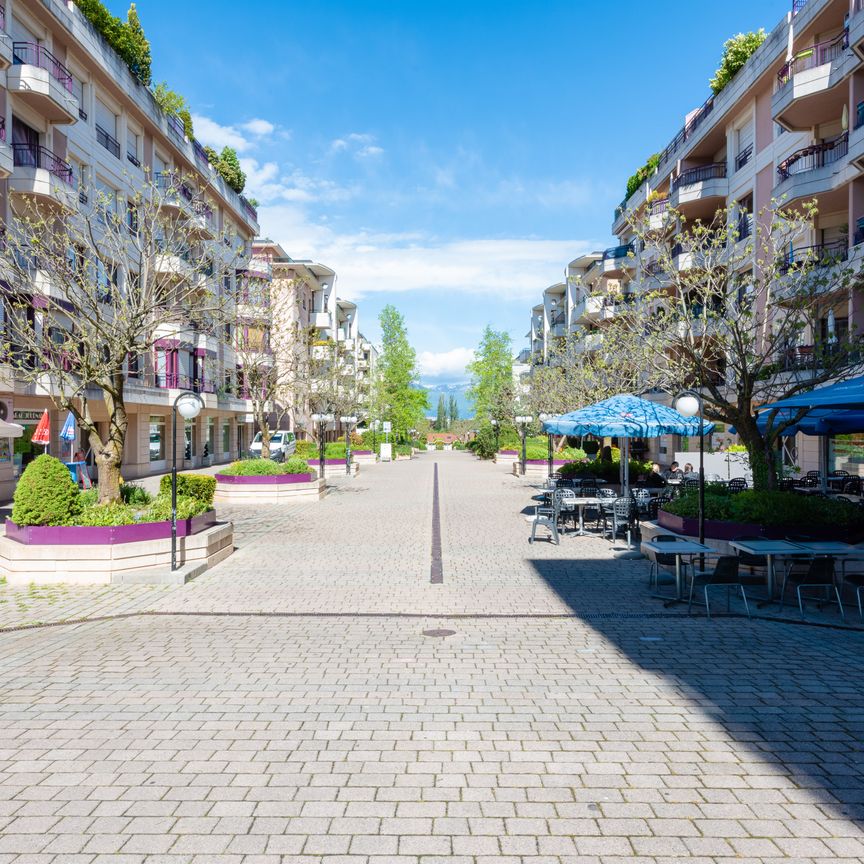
157	438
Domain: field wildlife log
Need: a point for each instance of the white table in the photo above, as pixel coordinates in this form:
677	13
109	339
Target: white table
678	548
771	549
581	504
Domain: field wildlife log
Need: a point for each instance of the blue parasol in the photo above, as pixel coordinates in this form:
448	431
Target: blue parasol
68	432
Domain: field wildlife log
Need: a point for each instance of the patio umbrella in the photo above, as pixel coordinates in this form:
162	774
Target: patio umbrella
67	433
10	430
42	435
625	417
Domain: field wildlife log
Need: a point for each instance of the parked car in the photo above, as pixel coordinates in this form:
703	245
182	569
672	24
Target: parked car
282	445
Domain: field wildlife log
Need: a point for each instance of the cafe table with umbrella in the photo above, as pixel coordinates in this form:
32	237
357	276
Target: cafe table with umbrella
624	417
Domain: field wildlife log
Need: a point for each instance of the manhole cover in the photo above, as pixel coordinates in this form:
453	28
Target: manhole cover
439	634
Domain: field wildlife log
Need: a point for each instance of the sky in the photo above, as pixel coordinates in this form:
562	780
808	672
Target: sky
449	158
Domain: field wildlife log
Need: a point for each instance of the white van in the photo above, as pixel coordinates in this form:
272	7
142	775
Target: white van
282	445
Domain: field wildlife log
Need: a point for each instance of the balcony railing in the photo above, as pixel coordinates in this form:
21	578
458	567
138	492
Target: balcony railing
176	127
813	157
133	159
166	181
689	129
2	128
743	157
699	174
617	252
174	381
200	152
37	156
31	54
816	55
819	255
658	208
798	5
859	112
248	208
745	226
557	319
108	141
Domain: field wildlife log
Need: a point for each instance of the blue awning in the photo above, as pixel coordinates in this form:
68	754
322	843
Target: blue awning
819	421
845	395
625	416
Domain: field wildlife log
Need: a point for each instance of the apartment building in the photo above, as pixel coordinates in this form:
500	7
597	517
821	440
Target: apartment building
73	119
305	299
788	127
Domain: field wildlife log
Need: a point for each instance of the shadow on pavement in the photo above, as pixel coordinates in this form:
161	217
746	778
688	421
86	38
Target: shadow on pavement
789	693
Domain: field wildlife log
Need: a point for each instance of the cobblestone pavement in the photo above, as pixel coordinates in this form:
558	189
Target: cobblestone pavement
587	729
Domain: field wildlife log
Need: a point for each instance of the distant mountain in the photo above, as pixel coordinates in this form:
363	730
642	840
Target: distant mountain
459	390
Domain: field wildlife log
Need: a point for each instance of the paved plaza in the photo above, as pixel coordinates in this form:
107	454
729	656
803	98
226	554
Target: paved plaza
317	698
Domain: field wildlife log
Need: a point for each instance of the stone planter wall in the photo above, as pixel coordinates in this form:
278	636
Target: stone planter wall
363	457
269	489
333	467
111	560
506	458
537	469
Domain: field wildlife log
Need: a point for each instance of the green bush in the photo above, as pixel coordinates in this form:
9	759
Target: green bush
160	509
46	494
798	513
295	465
253	468
458	445
439	445
736	52
646	171
608	471
90	497
484	442
135	495
306	450
199	486
402	449
126	38
106	514
334	450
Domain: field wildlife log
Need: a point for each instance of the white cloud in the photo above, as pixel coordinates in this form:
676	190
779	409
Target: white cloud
215	135
434	364
259	127
361	145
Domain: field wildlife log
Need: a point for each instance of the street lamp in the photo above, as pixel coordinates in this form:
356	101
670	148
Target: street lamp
543	418
322	420
523	423
189	405
348	422
690	404
495	428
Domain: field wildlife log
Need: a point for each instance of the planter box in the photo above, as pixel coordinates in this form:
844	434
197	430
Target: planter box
107	535
506	458
363	457
269	489
145	559
537	468
335	466
726	531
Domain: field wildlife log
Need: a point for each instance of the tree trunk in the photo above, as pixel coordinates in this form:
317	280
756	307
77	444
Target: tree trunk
109	461
760	450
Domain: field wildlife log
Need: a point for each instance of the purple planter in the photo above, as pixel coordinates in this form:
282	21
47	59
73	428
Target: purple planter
716	530
361	452
546	461
65	535
509	452
314	462
264	479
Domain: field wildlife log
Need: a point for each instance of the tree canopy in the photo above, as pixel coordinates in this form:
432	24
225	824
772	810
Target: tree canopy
491	370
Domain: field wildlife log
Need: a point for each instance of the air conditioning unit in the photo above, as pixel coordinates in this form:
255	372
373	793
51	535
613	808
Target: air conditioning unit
6	410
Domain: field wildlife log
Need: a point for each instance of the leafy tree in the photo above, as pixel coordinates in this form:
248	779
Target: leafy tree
744	335
397	397
736	52
126	38
441	419
492	390
170	101
452	410
646	171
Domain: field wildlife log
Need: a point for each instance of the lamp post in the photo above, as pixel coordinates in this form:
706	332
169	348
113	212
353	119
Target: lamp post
348	421
495	428
189	405
321	420
543	418
690	404
523	422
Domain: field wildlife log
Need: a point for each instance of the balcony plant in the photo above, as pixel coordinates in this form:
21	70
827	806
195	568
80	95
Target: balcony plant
736	52
640	176
126	38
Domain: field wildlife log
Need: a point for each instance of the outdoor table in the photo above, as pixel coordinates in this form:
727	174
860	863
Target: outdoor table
678	548
581	504
771	549
834	548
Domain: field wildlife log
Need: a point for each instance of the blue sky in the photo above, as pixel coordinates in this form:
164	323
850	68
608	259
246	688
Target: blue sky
447	157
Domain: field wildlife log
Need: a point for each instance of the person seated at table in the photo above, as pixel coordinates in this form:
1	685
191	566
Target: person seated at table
655	478
689	473
673	472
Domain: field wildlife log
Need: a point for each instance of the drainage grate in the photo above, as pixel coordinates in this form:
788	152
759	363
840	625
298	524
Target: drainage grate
439	634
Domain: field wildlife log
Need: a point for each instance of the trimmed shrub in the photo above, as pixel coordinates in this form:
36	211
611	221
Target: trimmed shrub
484	443
306	450
402	450
187	507
135	495
202	487
439	445
106	514
46	494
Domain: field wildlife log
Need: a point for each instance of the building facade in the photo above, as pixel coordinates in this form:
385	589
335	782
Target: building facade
74	121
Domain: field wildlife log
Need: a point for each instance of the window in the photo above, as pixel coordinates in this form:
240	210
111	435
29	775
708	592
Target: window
106	280
78	93
106	200
157	438
191	438
256	338
132	148
106	128
226	437
132	216
210	443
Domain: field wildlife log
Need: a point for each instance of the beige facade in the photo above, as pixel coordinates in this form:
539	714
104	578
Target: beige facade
74	120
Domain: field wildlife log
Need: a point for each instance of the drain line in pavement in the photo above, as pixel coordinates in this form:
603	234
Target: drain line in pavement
437	570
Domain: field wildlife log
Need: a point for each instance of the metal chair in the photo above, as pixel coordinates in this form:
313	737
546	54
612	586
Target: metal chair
607	493
567	504
857	581
691	484
623	512
725	574
819	574
642	500
852	486
662	559
737	484
547	516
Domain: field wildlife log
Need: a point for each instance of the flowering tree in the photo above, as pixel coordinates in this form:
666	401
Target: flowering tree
89	290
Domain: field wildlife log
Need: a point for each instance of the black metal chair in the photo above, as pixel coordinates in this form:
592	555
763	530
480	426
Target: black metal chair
662	559
819	574
623	516
737	484
725	574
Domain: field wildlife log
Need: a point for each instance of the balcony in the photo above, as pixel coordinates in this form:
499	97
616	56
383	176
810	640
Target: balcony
6	160
321	320
658	217
817	256
202	220
175	381
589	342
697	118
42	82
108	141
176	194
812	170
587	309
175	261
703	188
557	324
807	93
5	42
617	259
42	175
